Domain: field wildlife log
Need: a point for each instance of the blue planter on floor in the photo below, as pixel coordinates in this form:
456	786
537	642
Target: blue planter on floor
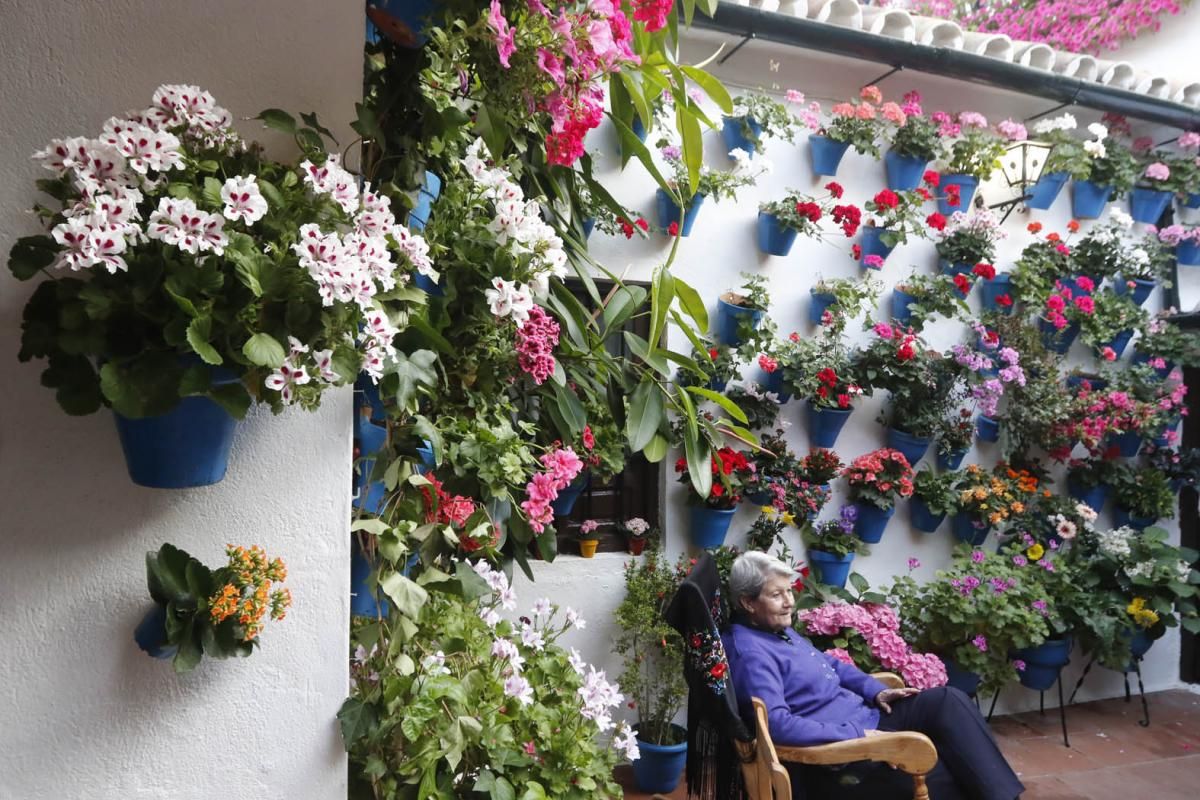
872	244
1094	497
1043	193
729	319
709	525
774	383
1148	205
668	212
825	154
186	447
871	522
1044	663
913	447
965	681
987	428
991	291
816	307
950	461
774	239
151	634
967	530
901	301
1122	517
1119	343
1187	254
1127	443
903	172
1089	199
1055	340
660	766
567	496
922	518
824	424
1141	289
731	132
831	569
967	184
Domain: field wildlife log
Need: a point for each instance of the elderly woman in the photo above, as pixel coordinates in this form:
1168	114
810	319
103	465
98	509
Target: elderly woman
812	698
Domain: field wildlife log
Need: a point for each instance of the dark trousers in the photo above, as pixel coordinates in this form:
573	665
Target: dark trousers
970	765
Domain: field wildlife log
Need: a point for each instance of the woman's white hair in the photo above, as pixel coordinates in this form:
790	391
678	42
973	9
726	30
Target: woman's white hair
750	572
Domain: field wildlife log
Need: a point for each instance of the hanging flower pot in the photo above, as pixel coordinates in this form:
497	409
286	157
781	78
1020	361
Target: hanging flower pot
639	130
589	225
825	154
871	522
901	303
1163	372
1075	382
1043	663
668	212
1055	340
967	184
587	547
1127	443
1192	200
951	461
363	602
873	245
987	428
966	529
717	386
1089	199
428	192
921	517
1094	496
1123	517
831	570
1139	645
904	173
1187	253
1043	193
151	634
735	136
366	395
913	447
184	448
1141	288
660	766
636	544
730	317
564	504
774	383
1147	205
774	238
824	424
1118	343
816	307
964	680
996	294
709	525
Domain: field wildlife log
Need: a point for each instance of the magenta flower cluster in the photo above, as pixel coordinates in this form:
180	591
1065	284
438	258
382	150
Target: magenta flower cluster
879	626
535	343
559	469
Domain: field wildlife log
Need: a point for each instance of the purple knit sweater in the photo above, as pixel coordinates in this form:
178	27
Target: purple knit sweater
811	698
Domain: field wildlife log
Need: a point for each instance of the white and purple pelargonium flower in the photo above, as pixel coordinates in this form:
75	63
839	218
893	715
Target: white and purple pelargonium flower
145	149
509	299
517	687
332	179
174	105
178	222
243	199
285	379
85	245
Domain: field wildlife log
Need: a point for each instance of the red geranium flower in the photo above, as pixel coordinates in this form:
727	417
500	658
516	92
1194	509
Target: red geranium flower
856	252
931	178
1004	301
1034	227
1073	226
835	189
953	198
810	211
936	221
887	199
963	283
673	229
985	271
925	194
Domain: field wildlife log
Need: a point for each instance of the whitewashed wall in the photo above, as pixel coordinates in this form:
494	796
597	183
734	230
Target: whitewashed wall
85	713
723	244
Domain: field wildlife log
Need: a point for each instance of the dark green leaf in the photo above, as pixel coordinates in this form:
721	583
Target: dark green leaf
571	409
278	120
724	402
198	333
406	594
692	304
310	119
646	414
30	255
357	719
414	371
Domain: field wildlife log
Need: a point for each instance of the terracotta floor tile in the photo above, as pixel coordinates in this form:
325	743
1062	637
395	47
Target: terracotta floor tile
1178	779
1116	783
1045	755
1049	788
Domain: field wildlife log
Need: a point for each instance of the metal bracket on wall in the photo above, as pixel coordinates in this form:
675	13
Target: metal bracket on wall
1050	111
883	77
737	47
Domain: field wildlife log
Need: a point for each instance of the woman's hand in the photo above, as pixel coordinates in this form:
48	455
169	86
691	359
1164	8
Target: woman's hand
885	698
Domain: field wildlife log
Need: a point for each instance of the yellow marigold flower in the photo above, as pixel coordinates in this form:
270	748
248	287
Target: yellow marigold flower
1035	552
1137	605
768	510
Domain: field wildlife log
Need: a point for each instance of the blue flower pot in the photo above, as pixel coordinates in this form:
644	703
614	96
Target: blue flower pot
773	238
871	522
951	461
1187	254
1043	663
965	681
1119	343
774	383
426	285
1191	201
825	154
1043	193
668	212
1089	199
589	225
1122	517
991	291
1162	372
717	386
366	395
1139	645
901	311
362	602
922	518
639	130
1057	341
824	424
913	447
903	172
402	21
1148	205
186	447
987	428
831	569
151	634
1094	497
729	319
1073	284
709	525
816	307
370	438
567	496
659	767
1075	383
967	184
1127	443
428	192
731	132
762	497
967	530
1141	289
872	244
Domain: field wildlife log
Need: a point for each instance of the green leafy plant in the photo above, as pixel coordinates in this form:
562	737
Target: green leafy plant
937	491
762	412
920	380
899	215
1166	340
820	370
1142	491
933	295
851	297
970	238
919	138
773	117
719	184
1040	266
821	466
856	123
977	151
834	536
1112	314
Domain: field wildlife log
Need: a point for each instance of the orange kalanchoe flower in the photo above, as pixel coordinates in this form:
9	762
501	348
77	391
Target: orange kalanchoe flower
224	603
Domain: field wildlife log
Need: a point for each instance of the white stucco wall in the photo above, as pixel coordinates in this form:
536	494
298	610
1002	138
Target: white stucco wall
86	713
723	244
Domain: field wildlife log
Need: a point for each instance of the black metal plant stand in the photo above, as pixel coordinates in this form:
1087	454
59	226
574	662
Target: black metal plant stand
1136	663
1062	707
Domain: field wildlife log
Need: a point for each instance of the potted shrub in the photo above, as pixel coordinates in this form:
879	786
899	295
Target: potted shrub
819	371
753	117
637	532
710	516
1141	496
989	501
831	545
917	299
934	497
1112	323
974	155
589	538
717	184
1155	187
1041	266
967	240
215	612
954	435
1065	149
780	221
916	140
1089	481
653	652
821	466
1186	241
1047	572
174	254
877	479
1164	345
838	300
1104	169
852	124
739	313
893	219
759	403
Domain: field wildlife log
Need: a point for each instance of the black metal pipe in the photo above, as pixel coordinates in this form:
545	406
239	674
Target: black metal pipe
804	33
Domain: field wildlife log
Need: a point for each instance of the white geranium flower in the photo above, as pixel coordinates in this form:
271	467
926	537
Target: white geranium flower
323	359
532	637
243	199
543	607
626	742
490	617
285	379
1098	130
509	299
576	661
574	620
1120	218
1095	149
435	664
143	147
517	687
178	222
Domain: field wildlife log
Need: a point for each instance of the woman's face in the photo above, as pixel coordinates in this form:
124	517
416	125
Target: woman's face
772	609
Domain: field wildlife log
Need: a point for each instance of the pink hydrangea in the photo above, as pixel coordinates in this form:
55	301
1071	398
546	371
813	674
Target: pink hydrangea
1158	171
